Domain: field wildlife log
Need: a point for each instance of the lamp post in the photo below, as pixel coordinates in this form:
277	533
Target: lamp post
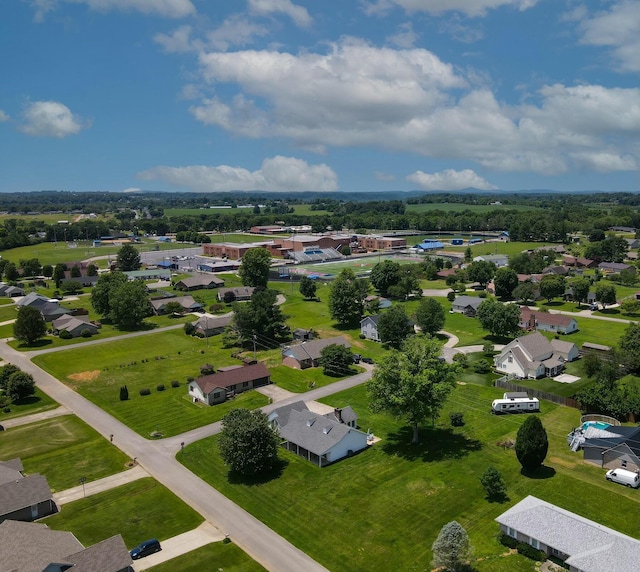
82	481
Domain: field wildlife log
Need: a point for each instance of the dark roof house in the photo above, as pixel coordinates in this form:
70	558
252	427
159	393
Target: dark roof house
215	388
307	354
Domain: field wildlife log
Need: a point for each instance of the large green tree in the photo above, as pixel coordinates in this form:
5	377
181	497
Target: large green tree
20	385
630	347
346	298
262	317
129	304
531	444
254	270
527	291
499	319
308	287
481	271
552	286
248	445
29	326
58	274
430	316
128	258
412	384
5	373
605	294
452	549
101	292
580	287
336	360
505	281
394	326
384	275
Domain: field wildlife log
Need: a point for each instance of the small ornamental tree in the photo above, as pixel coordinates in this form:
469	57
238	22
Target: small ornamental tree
308	288
29	326
531	444
493	484
20	385
124	393
248	445
452	549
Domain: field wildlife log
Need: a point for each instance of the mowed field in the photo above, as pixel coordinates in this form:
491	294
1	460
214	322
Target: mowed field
387	504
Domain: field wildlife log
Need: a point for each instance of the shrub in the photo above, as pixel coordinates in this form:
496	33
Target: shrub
160	387
189	379
482	295
482	367
124	393
362	336
493	484
86	333
7	410
175	383
457	418
64	335
189	329
508	541
217	308
451	296
145	391
461	359
206	369
531	552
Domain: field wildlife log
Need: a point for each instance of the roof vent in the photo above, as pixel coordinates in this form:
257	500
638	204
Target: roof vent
310	421
326	429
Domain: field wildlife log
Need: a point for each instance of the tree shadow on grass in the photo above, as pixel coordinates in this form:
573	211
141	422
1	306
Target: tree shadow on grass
499	499
542	472
30	400
262	478
435	445
38	344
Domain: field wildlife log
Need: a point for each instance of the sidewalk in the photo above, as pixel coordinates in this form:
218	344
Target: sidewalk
93	487
26	419
205	534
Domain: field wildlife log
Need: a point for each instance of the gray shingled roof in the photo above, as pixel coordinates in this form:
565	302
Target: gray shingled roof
213	323
282	413
535	345
110	555
9	474
591	546
313	432
313	348
562	346
24	492
31	546
465	301
200	280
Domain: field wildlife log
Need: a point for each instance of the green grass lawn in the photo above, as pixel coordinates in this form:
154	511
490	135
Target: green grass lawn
63	449
8	312
215	556
36	403
138	511
394	498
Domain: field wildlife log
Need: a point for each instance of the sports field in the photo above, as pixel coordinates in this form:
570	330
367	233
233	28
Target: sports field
358	265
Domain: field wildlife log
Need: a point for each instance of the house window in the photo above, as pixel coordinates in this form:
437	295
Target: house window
556	552
534	542
510	359
511	532
245	384
34	511
623	463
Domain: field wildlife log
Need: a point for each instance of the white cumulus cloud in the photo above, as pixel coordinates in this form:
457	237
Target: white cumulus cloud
471	8
3	116
297	13
450	180
276	174
51	119
619	29
165	8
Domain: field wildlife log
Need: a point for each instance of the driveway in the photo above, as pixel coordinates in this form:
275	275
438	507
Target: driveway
26	419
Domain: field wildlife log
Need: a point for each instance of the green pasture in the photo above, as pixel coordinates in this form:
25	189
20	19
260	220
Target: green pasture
47	218
37	403
461	207
394	497
8	312
138	511
227	557
63	449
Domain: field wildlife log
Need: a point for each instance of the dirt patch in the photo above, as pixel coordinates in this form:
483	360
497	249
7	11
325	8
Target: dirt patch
85	375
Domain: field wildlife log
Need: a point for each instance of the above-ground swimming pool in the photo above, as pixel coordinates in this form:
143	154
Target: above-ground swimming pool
596	425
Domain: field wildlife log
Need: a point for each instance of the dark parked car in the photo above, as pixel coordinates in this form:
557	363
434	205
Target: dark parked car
367	360
145	548
356	358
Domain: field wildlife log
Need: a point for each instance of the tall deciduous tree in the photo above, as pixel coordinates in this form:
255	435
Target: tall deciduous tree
505	281
452	549
248	445
308	287
384	275
5	373
552	286
497	318
394	326
20	385
101	292
346	298
413	383
261	316
481	271
128	304
29	326
525	292
58	274
580	288
254	270
531	444
128	258
606	294
336	360
630	347
11	272
430	316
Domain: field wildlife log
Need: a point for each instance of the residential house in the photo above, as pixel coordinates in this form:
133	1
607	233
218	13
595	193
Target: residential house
321	439
307	354
240	294
10	291
558	270
500	260
187	302
547	322
533	356
302	335
615	267
568	295
50	309
217	387
199	282
207	327
23	498
583	545
34	547
149	274
622	229
75	325
467	305
616	447
369	327
83	279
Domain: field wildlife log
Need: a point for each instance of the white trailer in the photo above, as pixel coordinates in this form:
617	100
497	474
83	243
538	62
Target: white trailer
515	403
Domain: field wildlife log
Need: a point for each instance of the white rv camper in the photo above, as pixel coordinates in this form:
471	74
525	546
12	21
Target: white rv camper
518	402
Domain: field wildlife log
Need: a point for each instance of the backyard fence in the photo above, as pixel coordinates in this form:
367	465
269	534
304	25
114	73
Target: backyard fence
509	386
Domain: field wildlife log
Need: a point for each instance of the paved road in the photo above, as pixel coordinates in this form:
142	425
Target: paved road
255	538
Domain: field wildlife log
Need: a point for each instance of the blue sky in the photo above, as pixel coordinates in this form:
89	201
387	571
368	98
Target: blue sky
331	95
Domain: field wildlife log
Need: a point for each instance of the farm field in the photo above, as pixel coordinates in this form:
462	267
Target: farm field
138	511
394	498
461	207
227	557
63	449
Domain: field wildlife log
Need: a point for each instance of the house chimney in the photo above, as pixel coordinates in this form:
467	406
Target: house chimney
338	413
